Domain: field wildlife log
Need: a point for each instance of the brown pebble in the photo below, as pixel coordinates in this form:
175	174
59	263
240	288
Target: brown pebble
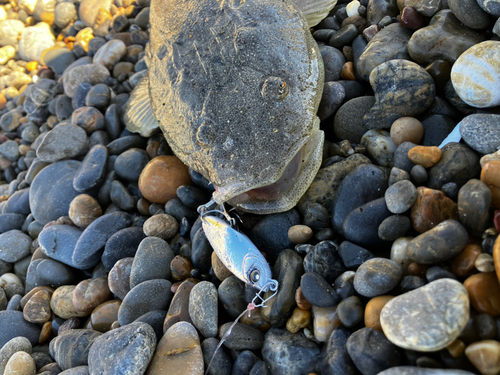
410	19
456	348
152	149
161	177
69	324
104	315
32	292
220	270
91	293
299	234
115	325
496	256
62	303
37	309
484	263
301	301
181	268
46	333
484	293
348	71
431	208
373	309
299	319
490	175
162	225
485	356
417	269
83	210
426	156
370	32
463	264
407	129
20	363
143	207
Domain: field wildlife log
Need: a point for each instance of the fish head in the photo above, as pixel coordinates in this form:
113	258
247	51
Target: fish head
235	87
257	272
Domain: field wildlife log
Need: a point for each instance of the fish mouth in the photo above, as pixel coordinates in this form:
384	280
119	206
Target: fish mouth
285	192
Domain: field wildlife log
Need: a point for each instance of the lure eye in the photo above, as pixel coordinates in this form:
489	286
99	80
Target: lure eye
274	88
255	276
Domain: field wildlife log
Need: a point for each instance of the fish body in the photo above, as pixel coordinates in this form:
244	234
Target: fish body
235	86
238	253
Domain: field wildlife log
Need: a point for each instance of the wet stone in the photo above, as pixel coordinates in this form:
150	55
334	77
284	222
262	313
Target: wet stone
92	170
482	289
480	131
377	276
280	352
119	277
350	311
121	244
71	348
324	260
353	255
127	349
179	308
83	210
203	308
104	315
90	293
147	296
474	201
438	244
151	250
318	291
63	142
407	79
394	227
431	208
440	311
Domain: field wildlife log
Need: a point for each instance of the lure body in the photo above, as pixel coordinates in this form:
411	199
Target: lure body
238	253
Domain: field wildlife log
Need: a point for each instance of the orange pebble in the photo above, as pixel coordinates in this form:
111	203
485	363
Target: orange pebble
490	175
464	262
32	65
417	269
348	71
484	292
373	309
426	156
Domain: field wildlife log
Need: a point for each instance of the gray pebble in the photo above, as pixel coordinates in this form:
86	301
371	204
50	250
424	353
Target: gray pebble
203	308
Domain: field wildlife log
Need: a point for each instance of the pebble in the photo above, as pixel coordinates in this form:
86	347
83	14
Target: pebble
34	40
10	31
48	272
242	337
400	196
63	142
350	311
151	250
122	244
317	290
372	311
58	59
178	352
299	234
162	226
71	348
353	255
324	260
439	313
90	293
129	164
474	200
14	246
124	350
221	363
333	60
431	208
410	370
83	210
92	170
17	344
348	121
377	276
482	289
469	13
37	308
20	363
161	177
489	176
379	146
61	303
89	9
406	129
203	308
485	356
179	308
464	262
299	319
280	348
13	324
64	14
394	227
480	132
484	263
147	296
90	73
119	277
104	315
425	156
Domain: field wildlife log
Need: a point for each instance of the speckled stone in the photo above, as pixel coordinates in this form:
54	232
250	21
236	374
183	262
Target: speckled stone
63	142
203	308
474	201
90	73
17	344
414	87
379	147
438	313
151	250
481	131
469	13
62	303
377	276
71	348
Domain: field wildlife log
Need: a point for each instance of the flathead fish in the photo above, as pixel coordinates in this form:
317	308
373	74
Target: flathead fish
235	86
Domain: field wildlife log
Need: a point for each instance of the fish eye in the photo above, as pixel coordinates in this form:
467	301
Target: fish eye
255	276
274	88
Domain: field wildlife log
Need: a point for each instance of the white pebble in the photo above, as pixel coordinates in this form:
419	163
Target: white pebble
9	278
352	8
398	252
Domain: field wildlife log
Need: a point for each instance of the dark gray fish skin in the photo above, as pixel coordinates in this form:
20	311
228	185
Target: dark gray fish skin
235	87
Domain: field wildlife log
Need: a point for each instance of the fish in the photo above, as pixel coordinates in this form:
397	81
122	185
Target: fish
235	86
238	254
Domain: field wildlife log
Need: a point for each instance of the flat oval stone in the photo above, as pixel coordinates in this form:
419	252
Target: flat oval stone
400	196
151	250
92	170
124	350
62	303
10	221
17	344
48	272
178	352
469	13
122	244
438	244
13	324
90	73
242	337
427	319
481	131
318	291
203	308
406	78
90	293
65	141
21	363
377	276
474	201
147	296
14	246
71	348
51	191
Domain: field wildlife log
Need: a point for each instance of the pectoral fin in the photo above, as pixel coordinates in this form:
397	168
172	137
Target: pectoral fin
139	117
315	10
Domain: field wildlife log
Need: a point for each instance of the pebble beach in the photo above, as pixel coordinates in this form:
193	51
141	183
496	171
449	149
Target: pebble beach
389	264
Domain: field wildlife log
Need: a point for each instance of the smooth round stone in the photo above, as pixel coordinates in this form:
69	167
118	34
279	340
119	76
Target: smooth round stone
58	59
469	13
62	303
192	196
388	44
13	324
201	251
350	312
62	142
98	97
242	337
95	236
379	147
161	177
394	227
333	60
333	96
119	277
280	352
83	210
104	315
348	121
324	260
58	242
64	107
431	208
121	196
110	53
231	295
183	340
372	352
444	38
438	244
220	270
400	196
20	363
162	226
221	363
318	291
10	221
90	73
406	129
352	255
124	350
10	30
203	308
64	14
147	296
48	272
34	40
181	268
79	370
14	246
89	10
485	356
424	155
489	176
122	244
17	344
481	132
71	348
300	234
18	203
410	81
377	276
129	164
334	357
179	308
9	149
343	36
37	309
88	118
151	250
474	201
373	309
174	207
90	293
483	289
92	170
484	263
439	312
52	191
